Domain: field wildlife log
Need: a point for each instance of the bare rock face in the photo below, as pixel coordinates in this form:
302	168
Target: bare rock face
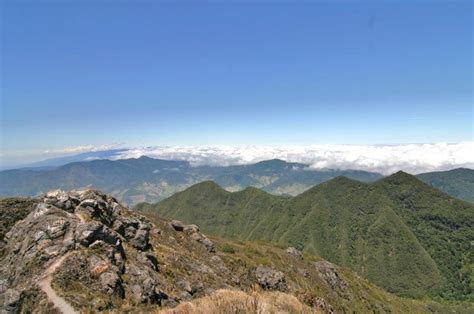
88	229
270	279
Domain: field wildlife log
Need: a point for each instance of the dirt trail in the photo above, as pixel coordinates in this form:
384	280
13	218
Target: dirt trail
45	285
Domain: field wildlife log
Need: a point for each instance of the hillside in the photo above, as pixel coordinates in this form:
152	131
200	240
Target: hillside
457	182
83	251
148	179
398	232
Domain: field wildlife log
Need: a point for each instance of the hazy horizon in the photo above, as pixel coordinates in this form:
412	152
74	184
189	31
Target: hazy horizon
85	75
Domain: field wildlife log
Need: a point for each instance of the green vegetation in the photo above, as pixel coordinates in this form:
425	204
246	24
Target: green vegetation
400	233
150	180
458	182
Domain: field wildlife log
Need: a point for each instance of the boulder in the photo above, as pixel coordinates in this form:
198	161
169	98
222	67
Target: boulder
145	286
177	225
270	279
89	232
140	241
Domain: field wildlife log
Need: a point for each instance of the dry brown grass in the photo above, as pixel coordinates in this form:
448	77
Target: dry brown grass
230	301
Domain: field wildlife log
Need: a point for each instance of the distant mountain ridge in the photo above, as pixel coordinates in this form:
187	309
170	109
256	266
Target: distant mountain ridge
398	232
457	182
150	180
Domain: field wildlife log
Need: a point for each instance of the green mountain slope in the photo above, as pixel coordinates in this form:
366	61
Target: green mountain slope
398	232
457	182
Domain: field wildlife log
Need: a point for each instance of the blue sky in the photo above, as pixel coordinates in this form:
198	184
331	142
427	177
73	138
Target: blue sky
240	72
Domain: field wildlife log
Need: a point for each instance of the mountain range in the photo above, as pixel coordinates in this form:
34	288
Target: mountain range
399	232
82	251
150	180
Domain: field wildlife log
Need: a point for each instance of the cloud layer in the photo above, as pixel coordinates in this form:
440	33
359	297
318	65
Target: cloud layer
386	159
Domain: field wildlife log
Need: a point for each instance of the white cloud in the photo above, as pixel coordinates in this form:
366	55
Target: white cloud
386	159
81	149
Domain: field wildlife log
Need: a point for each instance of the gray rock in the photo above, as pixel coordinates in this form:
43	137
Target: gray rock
149	260
57	228
185	285
111	283
270	279
185	296
11	299
88	233
140	241
191	228
208	244
177	225
145	285
330	274
199	237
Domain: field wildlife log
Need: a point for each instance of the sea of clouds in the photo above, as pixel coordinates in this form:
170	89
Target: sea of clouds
385	159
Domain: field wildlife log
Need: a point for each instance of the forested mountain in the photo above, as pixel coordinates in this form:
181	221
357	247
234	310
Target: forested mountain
398	232
457	182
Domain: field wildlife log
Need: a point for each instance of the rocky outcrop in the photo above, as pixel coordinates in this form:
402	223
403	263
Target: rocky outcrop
331	275
91	228
194	233
270	279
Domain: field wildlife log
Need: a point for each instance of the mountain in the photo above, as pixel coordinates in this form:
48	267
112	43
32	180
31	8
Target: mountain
83	251
52	163
457	182
398	232
147	179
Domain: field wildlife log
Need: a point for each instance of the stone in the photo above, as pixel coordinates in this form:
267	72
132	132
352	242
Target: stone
330	275
88	233
111	283
149	260
185	285
208	244
270	279
145	285
11	299
57	228
185	296
177	225
199	237
191	228
140	241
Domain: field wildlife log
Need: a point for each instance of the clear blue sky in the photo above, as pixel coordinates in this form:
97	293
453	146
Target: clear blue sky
244	72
